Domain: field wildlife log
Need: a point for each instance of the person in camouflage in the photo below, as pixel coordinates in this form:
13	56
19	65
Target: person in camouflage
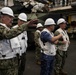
37	44
8	60
62	46
19	44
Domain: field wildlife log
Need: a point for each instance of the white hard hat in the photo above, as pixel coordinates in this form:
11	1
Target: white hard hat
49	21
39	25
8	11
61	20
23	17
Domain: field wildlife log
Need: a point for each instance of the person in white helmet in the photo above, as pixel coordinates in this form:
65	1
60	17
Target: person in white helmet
19	44
22	18
8	61
48	40
62	46
36	39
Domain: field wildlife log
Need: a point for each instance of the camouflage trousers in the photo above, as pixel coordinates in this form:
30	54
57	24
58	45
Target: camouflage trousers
9	66
60	60
38	53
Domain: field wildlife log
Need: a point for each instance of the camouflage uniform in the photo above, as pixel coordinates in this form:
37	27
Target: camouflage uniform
60	57
8	34
60	61
9	66
38	48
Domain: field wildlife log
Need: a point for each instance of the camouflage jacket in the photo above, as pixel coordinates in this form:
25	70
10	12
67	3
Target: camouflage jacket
36	38
60	41
13	32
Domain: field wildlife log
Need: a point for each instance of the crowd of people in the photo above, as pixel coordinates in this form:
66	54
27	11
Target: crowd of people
51	48
13	42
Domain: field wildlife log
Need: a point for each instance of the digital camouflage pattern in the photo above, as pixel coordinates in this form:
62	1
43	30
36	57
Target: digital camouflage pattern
9	66
8	34
60	57
13	32
38	48
36	37
60	61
